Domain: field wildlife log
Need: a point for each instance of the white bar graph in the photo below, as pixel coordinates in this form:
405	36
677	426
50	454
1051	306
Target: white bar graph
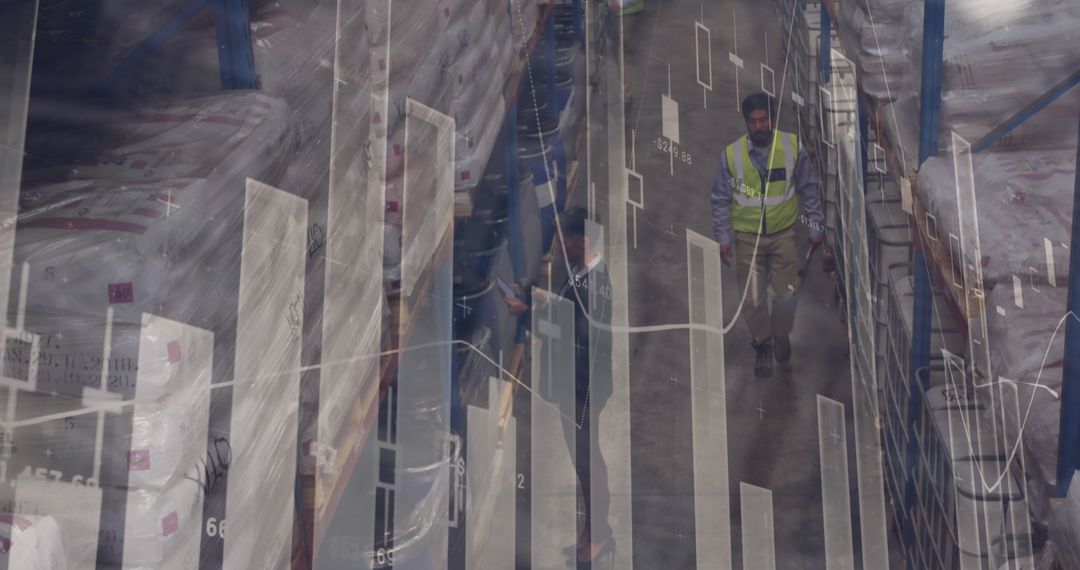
490	519
423	412
17	52
835	489
758	531
708	403
615	421
1051	275
353	293
553	482
267	377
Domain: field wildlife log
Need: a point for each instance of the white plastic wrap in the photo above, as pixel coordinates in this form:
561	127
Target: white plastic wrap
881	54
1030	193
1027	347
998	57
143	217
150	224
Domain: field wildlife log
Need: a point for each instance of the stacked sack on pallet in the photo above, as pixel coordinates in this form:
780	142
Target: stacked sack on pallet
295	59
143	215
875	30
142	212
460	74
999	56
1028	192
1027	350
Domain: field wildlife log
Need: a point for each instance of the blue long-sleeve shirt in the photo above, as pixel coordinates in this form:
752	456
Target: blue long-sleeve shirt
807	190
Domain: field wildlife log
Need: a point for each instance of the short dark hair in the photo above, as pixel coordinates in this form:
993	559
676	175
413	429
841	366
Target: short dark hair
572	222
758	101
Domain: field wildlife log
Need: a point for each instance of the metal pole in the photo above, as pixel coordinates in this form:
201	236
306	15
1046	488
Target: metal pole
232	18
825	47
1069	440
930	97
864	136
150	46
578	35
1029	111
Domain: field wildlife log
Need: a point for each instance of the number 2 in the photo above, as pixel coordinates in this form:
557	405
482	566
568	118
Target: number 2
521	480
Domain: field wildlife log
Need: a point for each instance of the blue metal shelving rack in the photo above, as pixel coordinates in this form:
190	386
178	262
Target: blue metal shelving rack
929	128
236	58
1069	439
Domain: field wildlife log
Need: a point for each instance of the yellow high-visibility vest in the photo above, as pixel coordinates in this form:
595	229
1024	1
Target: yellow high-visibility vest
777	198
627	7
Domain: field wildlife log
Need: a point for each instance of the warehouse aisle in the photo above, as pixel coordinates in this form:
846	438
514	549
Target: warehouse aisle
772	425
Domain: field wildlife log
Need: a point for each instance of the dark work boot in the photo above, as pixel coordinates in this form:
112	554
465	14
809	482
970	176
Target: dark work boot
763	363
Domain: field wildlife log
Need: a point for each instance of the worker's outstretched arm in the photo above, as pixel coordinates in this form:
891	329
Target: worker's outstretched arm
808	187
721	204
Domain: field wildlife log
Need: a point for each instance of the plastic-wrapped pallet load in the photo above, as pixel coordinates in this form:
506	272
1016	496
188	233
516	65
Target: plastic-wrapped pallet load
998	57
1028	192
1027	347
151	225
473	57
879	43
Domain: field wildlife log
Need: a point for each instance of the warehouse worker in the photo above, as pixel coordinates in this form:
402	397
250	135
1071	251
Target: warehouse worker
589	289
764	213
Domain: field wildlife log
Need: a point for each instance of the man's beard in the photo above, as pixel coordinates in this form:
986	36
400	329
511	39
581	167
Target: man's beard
760	139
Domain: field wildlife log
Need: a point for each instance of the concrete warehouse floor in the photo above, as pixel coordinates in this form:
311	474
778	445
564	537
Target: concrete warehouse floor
772	425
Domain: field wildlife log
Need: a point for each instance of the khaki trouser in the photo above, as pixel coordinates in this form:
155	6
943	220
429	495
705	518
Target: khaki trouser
775	264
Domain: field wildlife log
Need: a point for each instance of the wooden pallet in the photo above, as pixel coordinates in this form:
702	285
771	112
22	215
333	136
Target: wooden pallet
958	297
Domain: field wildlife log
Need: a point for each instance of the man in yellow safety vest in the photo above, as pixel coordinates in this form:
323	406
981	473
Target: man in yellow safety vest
765	177
626	7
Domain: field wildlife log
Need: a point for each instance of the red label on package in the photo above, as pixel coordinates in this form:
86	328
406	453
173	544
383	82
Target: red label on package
137	164
121	293
170	524
465	175
392	207
382	65
377	119
397	150
174	352
139	460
